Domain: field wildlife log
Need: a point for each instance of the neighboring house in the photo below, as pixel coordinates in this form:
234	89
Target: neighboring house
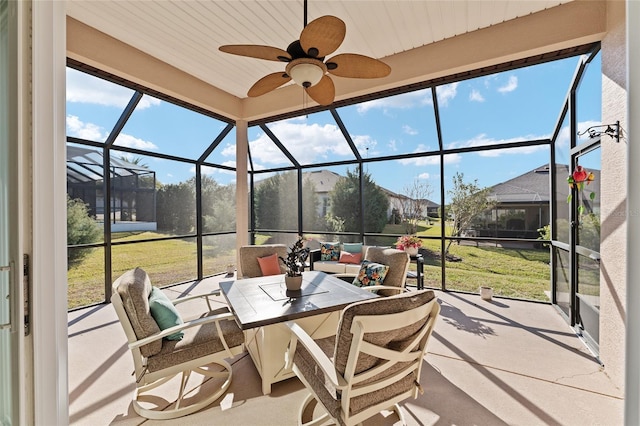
325	180
133	194
523	204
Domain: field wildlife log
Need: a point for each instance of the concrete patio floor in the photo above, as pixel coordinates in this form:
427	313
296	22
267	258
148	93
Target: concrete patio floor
489	363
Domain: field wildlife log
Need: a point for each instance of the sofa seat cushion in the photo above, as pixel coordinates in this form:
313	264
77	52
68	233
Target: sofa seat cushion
330	267
352	269
336	268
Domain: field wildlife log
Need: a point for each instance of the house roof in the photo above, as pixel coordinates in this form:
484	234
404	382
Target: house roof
532	187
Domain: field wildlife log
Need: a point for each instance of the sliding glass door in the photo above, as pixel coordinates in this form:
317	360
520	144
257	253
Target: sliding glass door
9	330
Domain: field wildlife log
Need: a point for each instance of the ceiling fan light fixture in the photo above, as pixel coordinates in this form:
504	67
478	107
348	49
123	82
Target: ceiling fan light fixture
306	72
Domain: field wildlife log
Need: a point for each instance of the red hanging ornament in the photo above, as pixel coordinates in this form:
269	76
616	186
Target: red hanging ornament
579	176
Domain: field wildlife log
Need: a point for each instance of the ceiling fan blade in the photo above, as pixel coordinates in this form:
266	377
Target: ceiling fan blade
268	83
323	36
357	66
324	92
256	51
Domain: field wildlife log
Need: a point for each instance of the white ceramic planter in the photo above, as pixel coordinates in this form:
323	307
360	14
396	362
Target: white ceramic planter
486	293
411	250
293	283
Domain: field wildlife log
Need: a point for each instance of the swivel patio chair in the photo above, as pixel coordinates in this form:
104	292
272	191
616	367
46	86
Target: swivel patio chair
163	346
395	279
249	254
376	360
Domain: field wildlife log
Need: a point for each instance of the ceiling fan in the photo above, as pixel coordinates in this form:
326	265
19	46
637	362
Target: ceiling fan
305	59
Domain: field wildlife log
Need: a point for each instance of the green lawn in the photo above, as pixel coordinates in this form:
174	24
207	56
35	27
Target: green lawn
512	272
166	262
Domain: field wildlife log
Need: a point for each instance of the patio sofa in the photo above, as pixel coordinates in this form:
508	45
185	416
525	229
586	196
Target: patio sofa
337	258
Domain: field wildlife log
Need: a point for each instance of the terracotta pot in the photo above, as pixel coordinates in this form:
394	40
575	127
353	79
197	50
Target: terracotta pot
293	283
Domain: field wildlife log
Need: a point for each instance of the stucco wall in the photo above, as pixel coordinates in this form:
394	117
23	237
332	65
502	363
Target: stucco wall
614	197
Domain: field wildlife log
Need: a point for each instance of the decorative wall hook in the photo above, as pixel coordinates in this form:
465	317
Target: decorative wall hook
612	130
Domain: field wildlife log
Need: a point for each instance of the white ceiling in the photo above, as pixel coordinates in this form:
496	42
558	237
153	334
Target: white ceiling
186	34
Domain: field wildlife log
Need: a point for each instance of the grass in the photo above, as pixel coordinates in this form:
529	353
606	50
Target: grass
512	272
166	262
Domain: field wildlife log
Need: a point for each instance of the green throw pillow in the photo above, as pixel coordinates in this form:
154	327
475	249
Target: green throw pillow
352	247
371	273
164	312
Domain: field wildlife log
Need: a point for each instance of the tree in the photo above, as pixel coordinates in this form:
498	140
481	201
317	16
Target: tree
345	203
414	204
81	229
276	202
218	205
467	201
176	206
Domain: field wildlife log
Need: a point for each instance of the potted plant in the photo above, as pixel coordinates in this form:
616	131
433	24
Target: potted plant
295	262
409	243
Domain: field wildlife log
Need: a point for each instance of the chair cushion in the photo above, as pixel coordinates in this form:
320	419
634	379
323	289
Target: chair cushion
134	288
346	257
249	266
394	339
398	262
269	265
370	273
198	341
329	251
322	388
165	313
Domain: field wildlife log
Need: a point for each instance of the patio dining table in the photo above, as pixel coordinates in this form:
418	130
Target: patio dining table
261	306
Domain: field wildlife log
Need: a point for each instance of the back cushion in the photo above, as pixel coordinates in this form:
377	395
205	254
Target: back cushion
389	338
330	251
134	288
396	260
249	255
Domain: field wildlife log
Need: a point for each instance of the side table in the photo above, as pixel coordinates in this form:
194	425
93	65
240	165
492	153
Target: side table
418	275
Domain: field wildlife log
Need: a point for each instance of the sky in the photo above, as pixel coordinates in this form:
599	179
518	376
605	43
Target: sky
517	105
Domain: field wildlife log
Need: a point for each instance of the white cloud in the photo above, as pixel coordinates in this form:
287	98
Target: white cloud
476	96
423	176
409	130
132	142
432	160
511	85
307	143
80	129
446	93
229	151
404	101
84	88
483	140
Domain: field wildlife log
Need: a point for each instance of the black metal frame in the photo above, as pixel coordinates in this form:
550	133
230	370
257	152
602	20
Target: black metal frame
358	160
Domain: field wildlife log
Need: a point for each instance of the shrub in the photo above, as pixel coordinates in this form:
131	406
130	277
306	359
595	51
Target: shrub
81	229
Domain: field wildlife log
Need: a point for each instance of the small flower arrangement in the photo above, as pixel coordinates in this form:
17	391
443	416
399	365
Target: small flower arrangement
408	241
296	258
577	180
